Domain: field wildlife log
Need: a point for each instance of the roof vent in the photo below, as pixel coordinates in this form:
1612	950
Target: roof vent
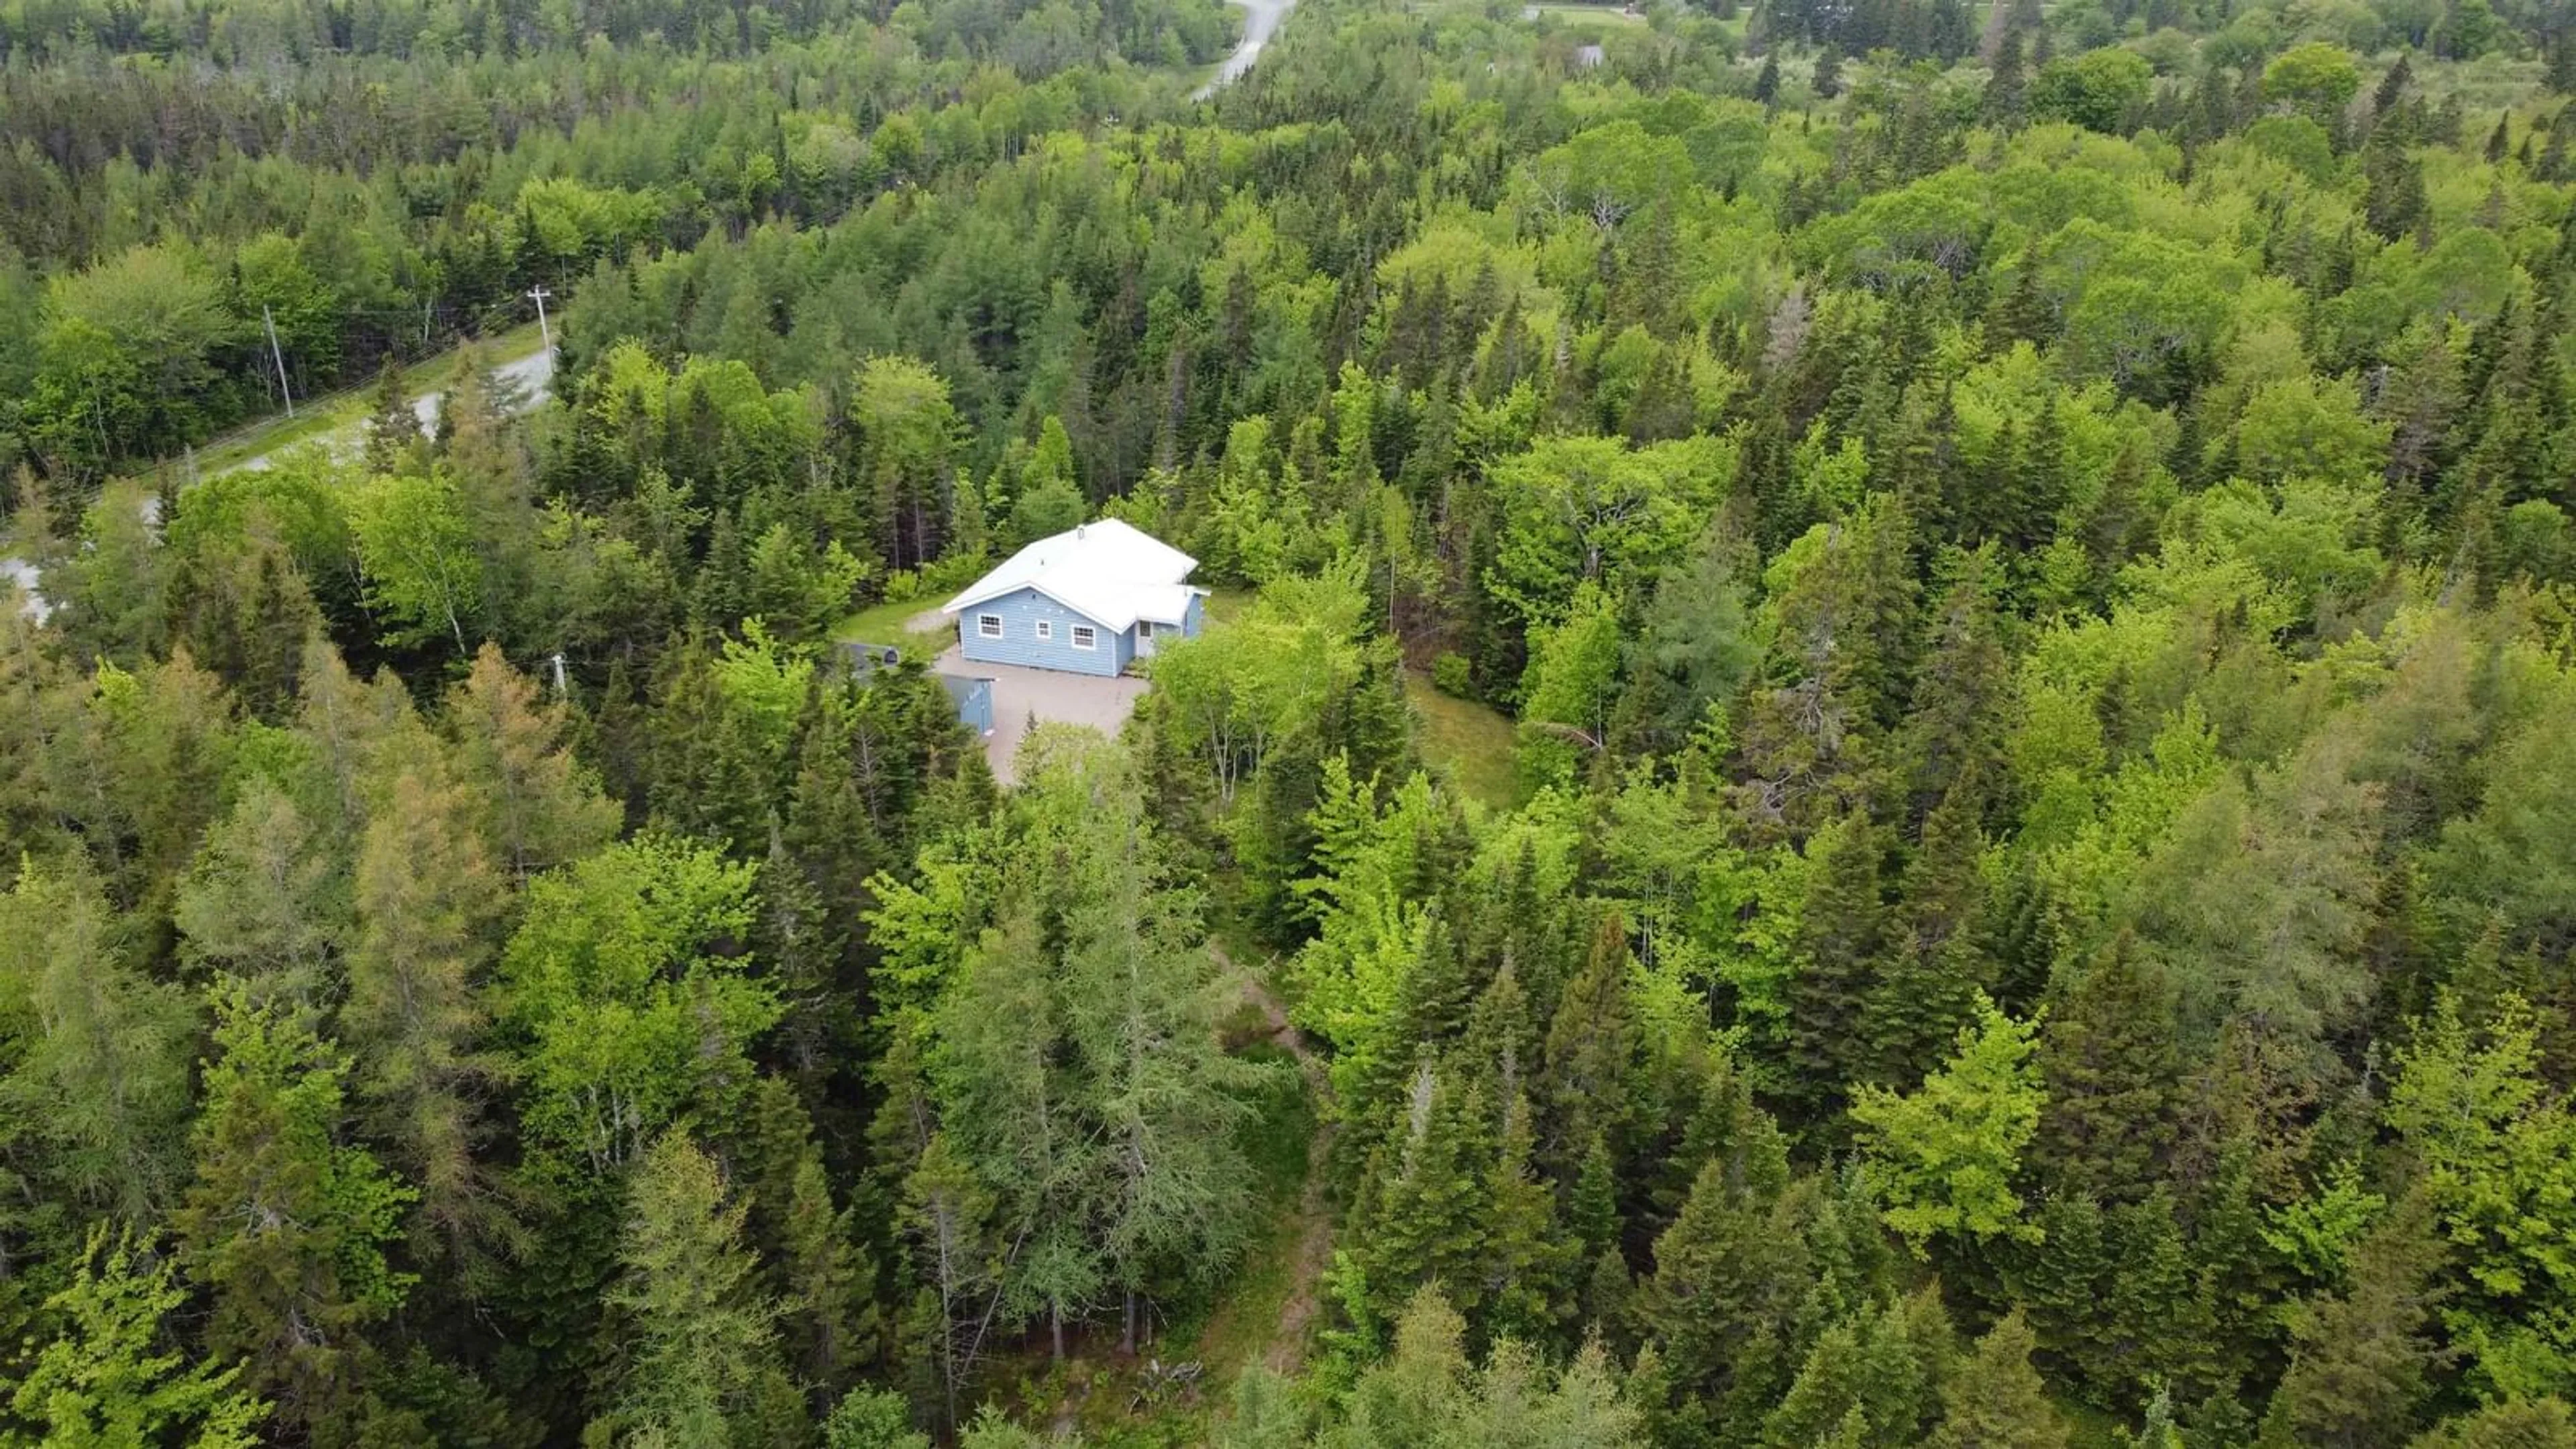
1077	532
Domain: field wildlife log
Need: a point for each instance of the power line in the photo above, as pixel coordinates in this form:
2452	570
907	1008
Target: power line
279	355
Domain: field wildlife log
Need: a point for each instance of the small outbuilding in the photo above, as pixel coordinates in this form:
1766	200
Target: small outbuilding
1091	600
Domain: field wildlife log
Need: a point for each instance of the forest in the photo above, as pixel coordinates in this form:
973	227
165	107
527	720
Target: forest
1881	759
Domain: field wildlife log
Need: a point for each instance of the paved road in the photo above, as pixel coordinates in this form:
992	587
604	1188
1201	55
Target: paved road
23	574
1260	18
530	374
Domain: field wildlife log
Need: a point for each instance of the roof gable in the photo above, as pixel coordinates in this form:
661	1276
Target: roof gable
1109	570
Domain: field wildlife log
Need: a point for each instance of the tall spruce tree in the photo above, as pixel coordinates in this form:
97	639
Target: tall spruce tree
2361	1360
96	1085
2111	1063
700	1361
1995	1399
414	1016
1842	926
286	1226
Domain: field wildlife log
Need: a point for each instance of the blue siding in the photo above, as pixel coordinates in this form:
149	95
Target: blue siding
1020	612
1196	618
974	699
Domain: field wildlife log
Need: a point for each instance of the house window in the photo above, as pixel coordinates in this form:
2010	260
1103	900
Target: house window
989	625
1046	630
1144	629
1085	637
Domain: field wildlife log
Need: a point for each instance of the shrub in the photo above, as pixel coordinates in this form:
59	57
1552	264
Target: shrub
1451	675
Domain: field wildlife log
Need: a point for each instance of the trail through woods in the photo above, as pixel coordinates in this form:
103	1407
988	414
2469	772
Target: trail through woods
1285	1347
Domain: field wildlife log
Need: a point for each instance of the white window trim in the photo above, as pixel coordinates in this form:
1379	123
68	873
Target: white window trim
988	626
1081	629
1046	631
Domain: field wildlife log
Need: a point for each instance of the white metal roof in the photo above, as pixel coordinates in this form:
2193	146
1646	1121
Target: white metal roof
1108	571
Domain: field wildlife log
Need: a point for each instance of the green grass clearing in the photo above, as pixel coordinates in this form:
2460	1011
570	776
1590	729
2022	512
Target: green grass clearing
1224	606
1465	741
889	623
1468	743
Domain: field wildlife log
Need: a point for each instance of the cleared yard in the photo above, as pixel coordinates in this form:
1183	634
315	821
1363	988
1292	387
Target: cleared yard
914	623
1465	741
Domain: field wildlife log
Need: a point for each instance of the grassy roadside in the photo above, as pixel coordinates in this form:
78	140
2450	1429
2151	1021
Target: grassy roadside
317	418
1611	13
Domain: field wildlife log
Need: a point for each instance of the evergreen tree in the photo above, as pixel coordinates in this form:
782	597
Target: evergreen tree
2002	105
96	1051
1841	937
1995	1400
2112	1066
1012	1098
1525	1260
426	902
393	427
1930	985
701	1362
1592	1210
2361	1359
830	1317
541	808
285	1227
1141	1007
244	611
265	902
2391	91
1884	1368
2539	1423
2393	198
1588	1082
1429	1202
2157	1315
1728	1277
2063	1283
1954	724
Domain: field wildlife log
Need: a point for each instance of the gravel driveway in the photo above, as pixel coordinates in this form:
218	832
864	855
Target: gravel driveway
1048	694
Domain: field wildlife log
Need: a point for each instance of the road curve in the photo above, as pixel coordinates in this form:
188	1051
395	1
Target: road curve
1260	18
530	376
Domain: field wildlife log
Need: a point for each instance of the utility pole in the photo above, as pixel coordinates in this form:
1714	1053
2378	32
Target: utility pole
540	294
279	354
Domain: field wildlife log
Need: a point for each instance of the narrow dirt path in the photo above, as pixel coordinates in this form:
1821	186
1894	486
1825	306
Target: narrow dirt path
1285	1348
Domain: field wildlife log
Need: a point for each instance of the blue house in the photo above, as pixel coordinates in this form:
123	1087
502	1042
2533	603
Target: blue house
1090	601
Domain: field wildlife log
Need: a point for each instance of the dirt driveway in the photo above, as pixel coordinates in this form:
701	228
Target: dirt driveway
1048	694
